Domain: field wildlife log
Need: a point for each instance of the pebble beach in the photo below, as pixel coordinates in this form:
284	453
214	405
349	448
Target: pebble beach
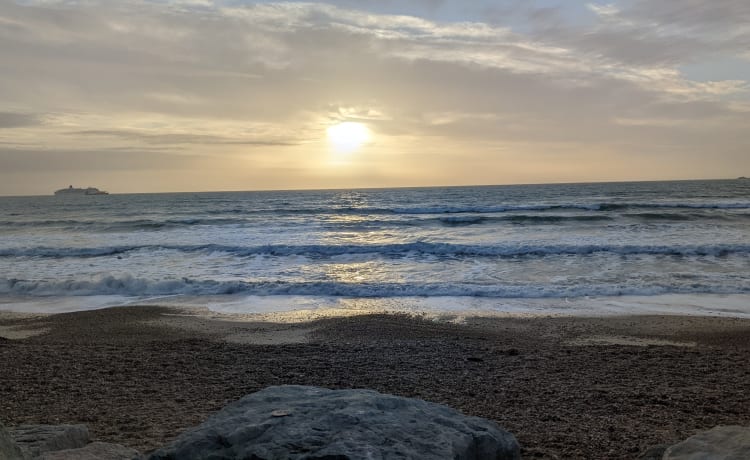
566	387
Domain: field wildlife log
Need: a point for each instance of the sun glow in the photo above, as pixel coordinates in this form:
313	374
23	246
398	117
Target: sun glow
348	136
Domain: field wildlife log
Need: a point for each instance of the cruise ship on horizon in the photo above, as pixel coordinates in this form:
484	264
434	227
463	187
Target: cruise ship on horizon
80	191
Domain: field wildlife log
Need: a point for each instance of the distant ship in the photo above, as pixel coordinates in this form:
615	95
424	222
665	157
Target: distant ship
80	191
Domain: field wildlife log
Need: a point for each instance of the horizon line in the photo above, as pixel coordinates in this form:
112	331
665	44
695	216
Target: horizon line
402	187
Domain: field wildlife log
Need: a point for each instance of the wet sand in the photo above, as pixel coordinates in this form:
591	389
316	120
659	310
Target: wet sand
567	387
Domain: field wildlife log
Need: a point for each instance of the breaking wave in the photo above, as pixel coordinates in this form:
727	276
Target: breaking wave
449	215
390	250
130	286
136	287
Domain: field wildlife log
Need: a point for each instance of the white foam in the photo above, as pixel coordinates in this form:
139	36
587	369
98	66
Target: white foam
734	305
671	304
59	304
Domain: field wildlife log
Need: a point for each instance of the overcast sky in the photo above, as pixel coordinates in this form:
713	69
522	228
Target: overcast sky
151	96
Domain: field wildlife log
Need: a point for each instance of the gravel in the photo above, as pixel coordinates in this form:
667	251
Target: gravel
139	383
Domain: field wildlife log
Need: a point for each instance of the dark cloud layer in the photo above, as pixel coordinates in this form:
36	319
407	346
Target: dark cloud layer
35	160
158	139
15	120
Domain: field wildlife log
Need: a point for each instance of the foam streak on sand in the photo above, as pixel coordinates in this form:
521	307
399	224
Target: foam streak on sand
281	308
290	307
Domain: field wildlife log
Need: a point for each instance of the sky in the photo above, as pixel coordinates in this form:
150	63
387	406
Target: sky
158	96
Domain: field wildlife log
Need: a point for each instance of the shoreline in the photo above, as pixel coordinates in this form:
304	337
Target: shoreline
567	387
291	308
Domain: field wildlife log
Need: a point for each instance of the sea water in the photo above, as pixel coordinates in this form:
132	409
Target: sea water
563	248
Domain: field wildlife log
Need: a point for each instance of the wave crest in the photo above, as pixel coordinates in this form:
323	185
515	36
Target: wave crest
136	287
391	250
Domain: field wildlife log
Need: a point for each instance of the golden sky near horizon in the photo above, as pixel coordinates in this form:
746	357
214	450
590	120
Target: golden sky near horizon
151	96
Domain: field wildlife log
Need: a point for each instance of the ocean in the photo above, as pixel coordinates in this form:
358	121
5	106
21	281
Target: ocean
544	249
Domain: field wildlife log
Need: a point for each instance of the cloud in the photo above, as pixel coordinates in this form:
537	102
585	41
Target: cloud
233	61
179	138
15	120
722	19
36	160
669	31
265	79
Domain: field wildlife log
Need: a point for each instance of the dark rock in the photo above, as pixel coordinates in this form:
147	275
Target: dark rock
654	452
37	439
9	450
318	423
94	451
719	443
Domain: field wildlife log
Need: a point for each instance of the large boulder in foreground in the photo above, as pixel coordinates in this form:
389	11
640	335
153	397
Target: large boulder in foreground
301	422
719	443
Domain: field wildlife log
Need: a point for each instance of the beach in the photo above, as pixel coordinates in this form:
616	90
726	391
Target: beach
566	387
534	212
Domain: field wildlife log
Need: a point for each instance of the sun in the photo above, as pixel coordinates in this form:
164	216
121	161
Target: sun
348	136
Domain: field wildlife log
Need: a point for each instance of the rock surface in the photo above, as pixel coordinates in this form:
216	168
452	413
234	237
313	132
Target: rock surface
37	439
94	451
301	422
9	450
654	452
719	443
